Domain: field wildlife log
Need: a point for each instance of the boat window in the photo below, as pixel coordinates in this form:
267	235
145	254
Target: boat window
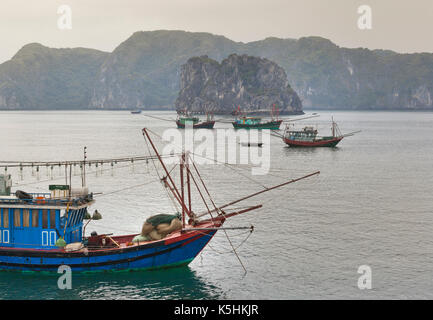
45	219
17	218
52	219
35	218
26	217
5	218
71	218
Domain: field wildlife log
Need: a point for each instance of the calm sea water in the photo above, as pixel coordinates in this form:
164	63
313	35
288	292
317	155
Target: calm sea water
371	205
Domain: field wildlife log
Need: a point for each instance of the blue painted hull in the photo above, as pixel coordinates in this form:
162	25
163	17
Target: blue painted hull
175	251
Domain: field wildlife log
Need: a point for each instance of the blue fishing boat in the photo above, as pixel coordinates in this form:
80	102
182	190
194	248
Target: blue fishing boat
30	229
43	231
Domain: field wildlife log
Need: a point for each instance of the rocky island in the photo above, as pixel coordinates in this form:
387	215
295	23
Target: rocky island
252	83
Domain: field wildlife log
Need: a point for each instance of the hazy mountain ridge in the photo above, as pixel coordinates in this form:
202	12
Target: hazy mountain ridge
39	77
144	72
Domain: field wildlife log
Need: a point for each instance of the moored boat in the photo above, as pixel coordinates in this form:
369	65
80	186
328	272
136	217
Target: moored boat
42	231
195	123
244	122
308	137
185	120
256	123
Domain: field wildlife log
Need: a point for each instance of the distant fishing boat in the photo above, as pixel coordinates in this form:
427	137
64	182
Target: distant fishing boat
244	122
135	111
252	144
42	231
307	137
185	120
256	123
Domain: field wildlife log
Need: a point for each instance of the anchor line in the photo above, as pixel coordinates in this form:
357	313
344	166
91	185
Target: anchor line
221	212
249	232
234	249
217	210
123	189
227	165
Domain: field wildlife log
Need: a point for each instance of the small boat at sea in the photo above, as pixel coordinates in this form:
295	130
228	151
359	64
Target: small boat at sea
308	137
244	122
185	120
256	123
251	144
135	111
43	231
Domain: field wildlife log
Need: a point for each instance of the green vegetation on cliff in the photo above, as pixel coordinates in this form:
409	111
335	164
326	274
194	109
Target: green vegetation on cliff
38	77
144	72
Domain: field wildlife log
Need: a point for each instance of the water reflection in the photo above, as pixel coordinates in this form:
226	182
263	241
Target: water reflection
175	283
299	150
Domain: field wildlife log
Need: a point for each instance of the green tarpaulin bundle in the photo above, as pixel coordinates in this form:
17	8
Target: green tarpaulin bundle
162	218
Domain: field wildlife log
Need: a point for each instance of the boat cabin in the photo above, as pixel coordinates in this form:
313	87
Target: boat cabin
306	134
188	120
249	120
37	220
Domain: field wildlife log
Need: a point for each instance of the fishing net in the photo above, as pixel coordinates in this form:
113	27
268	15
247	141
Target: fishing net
158	226
161	218
140	238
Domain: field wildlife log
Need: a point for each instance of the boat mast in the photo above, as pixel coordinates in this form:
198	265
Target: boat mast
172	187
274	113
83	179
70	181
333	127
182	158
188	181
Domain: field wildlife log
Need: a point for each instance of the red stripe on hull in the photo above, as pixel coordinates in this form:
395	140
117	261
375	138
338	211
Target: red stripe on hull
179	236
319	143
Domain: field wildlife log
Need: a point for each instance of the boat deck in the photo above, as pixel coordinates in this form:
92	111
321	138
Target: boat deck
109	243
45	201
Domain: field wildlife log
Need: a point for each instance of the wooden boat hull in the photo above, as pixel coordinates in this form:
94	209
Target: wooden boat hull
332	142
272	125
200	125
175	250
252	144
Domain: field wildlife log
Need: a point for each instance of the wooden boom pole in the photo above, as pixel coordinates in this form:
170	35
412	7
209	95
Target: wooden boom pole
262	191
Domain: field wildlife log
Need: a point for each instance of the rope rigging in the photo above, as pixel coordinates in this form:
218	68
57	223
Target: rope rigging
175	191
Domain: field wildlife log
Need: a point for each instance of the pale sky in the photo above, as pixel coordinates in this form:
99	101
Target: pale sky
399	25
